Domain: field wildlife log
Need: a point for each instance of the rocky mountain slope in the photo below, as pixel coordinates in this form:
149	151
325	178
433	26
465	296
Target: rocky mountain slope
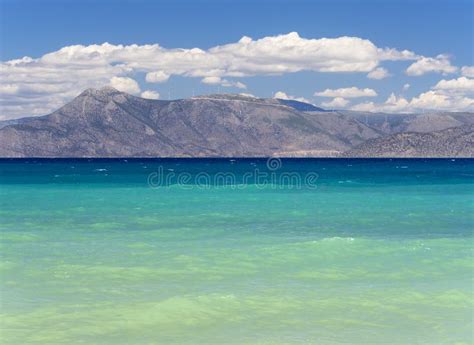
423	123
451	142
108	123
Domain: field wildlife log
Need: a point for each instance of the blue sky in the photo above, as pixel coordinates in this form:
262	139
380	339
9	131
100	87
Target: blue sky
424	28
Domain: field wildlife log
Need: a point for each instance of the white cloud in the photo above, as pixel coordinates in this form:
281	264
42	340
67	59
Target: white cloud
449	95
348	92
150	94
441	101
392	54
34	86
223	82
125	84
212	80
393	104
283	95
461	84
9	89
157	77
468	71
406	87
292	53
423	65
365	106
336	103
240	85
378	73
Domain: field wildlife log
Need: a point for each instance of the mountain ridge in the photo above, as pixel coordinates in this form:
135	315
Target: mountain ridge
454	142
108	123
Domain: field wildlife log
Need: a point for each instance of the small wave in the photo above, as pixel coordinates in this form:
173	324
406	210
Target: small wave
334	239
338	238
102	169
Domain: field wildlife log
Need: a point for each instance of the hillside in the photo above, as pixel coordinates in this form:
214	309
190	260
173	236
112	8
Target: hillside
451	142
108	123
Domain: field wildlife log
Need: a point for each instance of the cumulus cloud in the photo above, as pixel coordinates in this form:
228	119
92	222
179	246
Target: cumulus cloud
157	77
292	53
336	103
348	92
461	85
393	104
406	87
34	86
125	84
239	85
468	71
450	95
364	106
378	73
393	54
223	82
150	94
442	101
439	64
212	80
283	95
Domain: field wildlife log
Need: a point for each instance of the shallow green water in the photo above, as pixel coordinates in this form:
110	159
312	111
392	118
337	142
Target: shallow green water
379	252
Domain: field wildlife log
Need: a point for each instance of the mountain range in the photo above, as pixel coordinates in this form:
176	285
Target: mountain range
109	123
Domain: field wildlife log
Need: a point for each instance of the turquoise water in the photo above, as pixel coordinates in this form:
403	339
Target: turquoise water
376	251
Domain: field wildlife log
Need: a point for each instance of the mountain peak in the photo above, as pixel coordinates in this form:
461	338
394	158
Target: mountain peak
103	91
108	89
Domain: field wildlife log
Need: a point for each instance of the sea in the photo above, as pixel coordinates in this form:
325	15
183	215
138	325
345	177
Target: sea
236	251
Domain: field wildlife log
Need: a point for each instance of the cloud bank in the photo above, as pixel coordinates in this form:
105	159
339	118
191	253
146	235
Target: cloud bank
349	92
37	86
440	64
449	95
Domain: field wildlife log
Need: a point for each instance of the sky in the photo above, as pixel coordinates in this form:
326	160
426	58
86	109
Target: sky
391	56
